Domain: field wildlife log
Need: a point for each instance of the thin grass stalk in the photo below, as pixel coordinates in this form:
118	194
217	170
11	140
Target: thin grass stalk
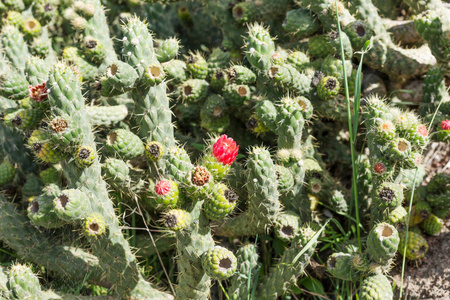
350	129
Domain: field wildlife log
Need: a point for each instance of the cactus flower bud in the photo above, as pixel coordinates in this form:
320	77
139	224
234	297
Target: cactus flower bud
225	150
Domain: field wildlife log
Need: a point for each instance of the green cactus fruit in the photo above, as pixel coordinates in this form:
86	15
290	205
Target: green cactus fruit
45	10
299	60
221	202
71	205
167	194
94	50
218	59
432	225
339	265
334	41
43	149
219	79
300	23
219	263
389	195
125	144
31	27
63	131
213	115
319	47
287	77
419	212
338	202
416	246
418	135
85	156
51	175
260	47
167	50
24	119
194	90
197	66
154	75
41	210
198	181
23	283
14	18
94	225
398	215
285	179
332	66
178	163
236	94
382	242
241	75
358	32
176	219
441	200
106	115
120	77
384	131
287	226
116	173
439	183
328	88
7	172
399	149
33	186
13	86
153	151
175	70
376	287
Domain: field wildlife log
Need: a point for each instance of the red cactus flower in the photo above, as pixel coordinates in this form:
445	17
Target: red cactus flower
38	92
225	150
379	168
445	125
422	130
163	187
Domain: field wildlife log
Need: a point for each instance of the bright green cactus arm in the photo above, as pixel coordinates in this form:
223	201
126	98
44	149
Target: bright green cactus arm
37	70
192	242
284	274
112	249
290	124
264	206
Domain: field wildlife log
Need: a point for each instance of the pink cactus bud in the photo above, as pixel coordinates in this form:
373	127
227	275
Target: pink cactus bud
225	150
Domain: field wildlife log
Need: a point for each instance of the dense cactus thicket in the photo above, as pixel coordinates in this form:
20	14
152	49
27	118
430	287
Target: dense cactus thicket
182	150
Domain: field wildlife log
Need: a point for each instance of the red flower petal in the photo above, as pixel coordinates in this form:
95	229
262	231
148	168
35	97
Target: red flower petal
225	150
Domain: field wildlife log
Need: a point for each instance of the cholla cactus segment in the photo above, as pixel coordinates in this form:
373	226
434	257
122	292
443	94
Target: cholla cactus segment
63	131
221	202
117	173
439	183
176	219
300	23
432	225
376	287
167	194
339	265
194	90
94	50
290	123
33	186
399	149
198	182
24	119
125	144
382	242
419	212
219	263
214	116
167	49
41	210
328	88
240	75
416	245
14	85
7	172
197	66
119	77
285	179
359	33
23	283
260	47
247	257
85	156
398	215
236	94
94	225
384	131
31	27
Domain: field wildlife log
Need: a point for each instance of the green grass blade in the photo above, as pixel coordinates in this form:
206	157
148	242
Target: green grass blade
310	243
